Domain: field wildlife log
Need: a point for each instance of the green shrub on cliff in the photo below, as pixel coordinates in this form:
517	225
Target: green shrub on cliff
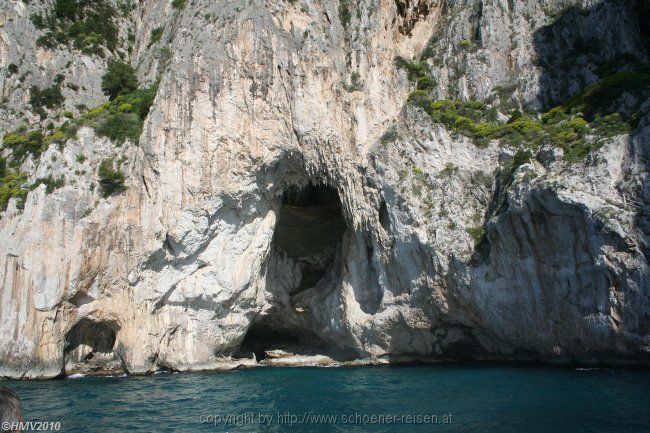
119	127
602	97
123	118
111	179
413	70
521	157
11	185
119	120
23	142
119	79
577	126
178	4
416	72
49	97
156	35
476	233
345	15
50	183
87	25
389	136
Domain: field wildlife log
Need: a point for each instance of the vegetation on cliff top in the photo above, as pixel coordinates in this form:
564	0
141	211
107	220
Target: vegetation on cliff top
89	26
120	119
578	126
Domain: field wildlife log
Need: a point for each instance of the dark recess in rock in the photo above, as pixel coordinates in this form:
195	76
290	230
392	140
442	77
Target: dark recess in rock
410	13
268	335
309	229
89	347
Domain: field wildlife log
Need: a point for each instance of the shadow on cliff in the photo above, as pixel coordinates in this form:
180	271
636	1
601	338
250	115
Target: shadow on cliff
607	43
583	45
593	60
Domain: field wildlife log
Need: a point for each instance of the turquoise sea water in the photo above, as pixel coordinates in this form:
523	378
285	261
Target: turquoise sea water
480	398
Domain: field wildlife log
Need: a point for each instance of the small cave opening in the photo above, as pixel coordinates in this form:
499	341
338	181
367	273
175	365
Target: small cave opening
265	336
309	228
89	347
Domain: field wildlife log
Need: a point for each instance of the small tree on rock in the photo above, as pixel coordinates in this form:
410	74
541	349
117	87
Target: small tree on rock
111	179
119	79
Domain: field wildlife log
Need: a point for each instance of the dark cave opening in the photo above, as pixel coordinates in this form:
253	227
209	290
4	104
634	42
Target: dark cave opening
90	344
309	228
264	336
96	335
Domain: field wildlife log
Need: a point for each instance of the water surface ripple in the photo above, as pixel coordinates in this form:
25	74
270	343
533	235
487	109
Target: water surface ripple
480	398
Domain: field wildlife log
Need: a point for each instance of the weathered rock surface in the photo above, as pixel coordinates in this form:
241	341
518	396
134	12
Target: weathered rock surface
258	99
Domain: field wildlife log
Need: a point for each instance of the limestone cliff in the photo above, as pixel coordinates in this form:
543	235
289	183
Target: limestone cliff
297	185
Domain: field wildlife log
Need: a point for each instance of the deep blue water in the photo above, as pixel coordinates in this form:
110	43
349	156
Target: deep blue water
480	398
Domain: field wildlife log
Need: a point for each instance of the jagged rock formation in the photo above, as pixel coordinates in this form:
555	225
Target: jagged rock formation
284	191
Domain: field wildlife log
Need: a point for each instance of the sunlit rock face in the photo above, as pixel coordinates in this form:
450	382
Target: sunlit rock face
267	210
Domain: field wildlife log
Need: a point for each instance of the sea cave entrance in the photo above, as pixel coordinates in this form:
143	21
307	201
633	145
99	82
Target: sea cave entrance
309	228
90	348
309	232
266	336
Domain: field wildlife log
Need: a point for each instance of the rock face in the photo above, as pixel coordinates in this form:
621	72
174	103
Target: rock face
266	204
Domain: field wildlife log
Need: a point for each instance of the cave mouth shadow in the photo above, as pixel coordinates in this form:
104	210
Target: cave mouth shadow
90	346
309	229
306	251
268	335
